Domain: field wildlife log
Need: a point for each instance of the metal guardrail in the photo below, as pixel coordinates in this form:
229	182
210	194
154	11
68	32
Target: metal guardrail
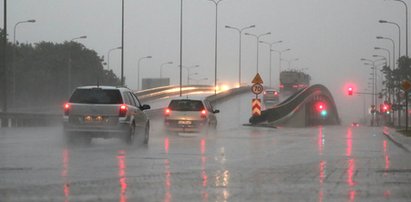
17	119
288	107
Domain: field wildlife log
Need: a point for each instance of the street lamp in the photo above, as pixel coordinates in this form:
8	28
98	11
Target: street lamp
399	34
69	63
393	47
382	57
216	2
372	62
258	39
138	70
270	45
279	62
108	56
15	26
122	43
239	47
191	78
388	51
161	68
188	71
406	25
14	58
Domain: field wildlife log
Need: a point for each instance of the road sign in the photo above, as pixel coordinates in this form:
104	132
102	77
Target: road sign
257	79
256	107
406	85
257	88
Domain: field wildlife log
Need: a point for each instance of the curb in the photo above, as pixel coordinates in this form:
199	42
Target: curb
397	138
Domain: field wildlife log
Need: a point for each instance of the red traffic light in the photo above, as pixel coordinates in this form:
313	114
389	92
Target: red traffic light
320	106
350	90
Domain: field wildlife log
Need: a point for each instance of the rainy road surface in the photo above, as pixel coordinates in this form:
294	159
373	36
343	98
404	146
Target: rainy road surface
236	163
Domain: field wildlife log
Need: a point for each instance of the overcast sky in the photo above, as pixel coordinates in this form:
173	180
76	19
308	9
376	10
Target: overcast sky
327	36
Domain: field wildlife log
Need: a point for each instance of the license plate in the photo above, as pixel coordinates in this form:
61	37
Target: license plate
184	122
90	119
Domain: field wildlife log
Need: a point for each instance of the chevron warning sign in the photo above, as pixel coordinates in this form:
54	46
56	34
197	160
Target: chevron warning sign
256	107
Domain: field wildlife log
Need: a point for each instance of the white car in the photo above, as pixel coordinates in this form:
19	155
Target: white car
106	112
189	115
271	96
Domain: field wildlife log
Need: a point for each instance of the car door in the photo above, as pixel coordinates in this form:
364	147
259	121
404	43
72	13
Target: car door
211	116
140	117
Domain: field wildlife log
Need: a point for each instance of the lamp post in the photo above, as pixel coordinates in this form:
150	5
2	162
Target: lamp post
3	65
257	37
239	47
15	26
388	51
122	42
381	57
161	68
279	62
393	47
406	25
216	2
14	58
270	45
399	34
396	89
191	78
374	82
69	64
108	56
138	70
181	47
188	71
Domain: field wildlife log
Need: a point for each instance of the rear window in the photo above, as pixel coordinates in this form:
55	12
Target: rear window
96	96
186	105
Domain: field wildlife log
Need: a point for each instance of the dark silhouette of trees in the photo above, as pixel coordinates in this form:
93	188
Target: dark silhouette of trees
41	72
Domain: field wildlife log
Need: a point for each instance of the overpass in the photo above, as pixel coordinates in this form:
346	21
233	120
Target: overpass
302	110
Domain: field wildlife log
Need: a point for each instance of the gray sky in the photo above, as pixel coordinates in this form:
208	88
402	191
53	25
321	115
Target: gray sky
328	36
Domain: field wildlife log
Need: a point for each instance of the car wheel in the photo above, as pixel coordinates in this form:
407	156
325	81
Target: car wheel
129	138
146	134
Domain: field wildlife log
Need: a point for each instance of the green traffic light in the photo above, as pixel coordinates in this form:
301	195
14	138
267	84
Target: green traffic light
324	113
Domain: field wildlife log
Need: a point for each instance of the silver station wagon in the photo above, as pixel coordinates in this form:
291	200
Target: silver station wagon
105	112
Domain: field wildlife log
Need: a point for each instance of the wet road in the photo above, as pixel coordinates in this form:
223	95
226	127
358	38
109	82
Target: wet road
237	163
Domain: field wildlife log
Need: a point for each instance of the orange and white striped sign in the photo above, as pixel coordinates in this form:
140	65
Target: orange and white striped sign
256	107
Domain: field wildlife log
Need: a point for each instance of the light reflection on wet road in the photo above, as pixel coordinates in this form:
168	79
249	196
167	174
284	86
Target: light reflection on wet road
237	163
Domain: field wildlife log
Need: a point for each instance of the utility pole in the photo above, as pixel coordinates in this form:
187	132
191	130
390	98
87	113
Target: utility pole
4	69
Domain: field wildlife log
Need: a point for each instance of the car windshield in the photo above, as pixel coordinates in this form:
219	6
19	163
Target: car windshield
96	96
186	105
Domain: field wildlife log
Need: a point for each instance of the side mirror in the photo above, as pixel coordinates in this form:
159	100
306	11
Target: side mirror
216	111
145	107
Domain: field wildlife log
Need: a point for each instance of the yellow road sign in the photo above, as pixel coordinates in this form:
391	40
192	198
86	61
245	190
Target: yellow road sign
257	79
406	85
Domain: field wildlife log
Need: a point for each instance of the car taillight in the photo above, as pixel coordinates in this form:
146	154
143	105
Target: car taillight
203	113
167	112
123	110
66	109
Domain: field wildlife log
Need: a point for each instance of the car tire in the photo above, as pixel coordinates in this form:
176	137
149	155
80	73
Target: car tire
129	137
146	134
